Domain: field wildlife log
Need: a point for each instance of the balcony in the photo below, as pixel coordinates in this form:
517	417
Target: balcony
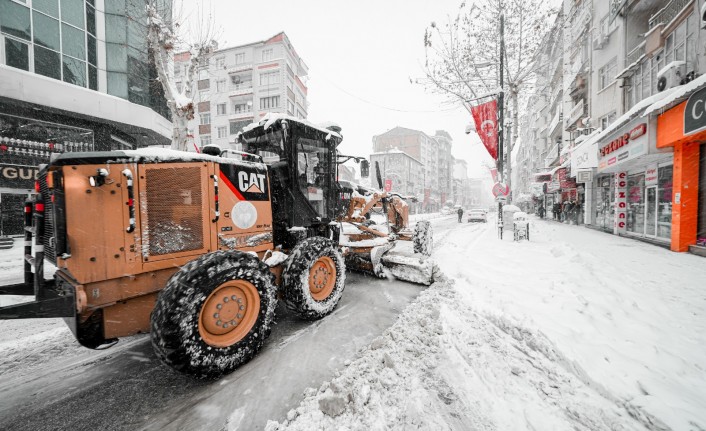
239	67
241	113
575	114
580	22
240	89
635	55
556	121
552	156
669	12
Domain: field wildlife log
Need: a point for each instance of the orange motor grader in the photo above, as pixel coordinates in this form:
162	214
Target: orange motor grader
198	248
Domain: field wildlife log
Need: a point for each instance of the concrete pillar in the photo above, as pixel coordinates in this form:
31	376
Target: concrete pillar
685	195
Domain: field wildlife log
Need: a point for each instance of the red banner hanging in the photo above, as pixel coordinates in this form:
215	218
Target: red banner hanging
486	118
494	174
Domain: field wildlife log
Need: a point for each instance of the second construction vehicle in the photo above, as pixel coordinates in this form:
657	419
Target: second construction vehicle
198	248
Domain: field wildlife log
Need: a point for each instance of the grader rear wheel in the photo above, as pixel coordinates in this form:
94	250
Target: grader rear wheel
313	278
214	313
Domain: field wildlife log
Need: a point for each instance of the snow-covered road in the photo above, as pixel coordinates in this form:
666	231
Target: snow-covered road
50	382
576	329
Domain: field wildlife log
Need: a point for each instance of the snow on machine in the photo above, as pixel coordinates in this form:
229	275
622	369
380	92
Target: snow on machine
198	248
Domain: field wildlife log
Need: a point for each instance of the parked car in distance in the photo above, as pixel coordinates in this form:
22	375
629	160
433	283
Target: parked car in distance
445	210
477	215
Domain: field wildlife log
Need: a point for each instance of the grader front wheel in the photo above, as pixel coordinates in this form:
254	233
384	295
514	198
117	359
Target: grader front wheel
214	313
313	278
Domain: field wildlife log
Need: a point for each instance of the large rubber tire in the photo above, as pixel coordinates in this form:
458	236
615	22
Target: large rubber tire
198	329
422	238
313	278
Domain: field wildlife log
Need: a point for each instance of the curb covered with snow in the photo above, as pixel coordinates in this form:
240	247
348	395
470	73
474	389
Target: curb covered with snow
442	365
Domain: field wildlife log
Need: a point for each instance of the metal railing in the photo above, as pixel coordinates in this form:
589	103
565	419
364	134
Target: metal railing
635	54
667	13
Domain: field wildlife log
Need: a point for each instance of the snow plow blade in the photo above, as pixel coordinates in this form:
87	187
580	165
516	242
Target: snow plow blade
412	269
382	262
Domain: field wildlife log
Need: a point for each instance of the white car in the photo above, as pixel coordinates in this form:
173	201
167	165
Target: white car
477	215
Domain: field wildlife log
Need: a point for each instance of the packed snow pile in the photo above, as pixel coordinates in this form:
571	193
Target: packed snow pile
443	366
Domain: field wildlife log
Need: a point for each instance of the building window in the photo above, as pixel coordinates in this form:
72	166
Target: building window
221	85
205	140
607	120
240	58
269	78
237	125
242	107
16	54
608	27
606	74
203	95
205	119
222	132
290	107
221	109
269	102
268	54
203	74
221	63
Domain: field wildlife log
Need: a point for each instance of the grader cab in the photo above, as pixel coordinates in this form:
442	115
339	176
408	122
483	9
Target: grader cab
198	248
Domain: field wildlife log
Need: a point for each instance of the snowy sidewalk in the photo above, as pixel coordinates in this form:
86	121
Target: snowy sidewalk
630	317
576	329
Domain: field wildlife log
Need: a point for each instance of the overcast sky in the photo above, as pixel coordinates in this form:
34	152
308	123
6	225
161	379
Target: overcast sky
361	55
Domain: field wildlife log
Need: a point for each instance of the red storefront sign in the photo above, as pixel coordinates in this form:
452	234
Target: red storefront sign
623	140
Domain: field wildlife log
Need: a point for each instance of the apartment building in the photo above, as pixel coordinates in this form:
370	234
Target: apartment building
400	172
235	86
434	153
632	135
541	127
76	76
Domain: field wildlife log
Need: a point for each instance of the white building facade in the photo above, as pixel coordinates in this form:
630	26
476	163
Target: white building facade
237	85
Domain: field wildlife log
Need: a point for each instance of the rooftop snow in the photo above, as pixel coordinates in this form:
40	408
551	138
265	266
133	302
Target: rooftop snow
270	118
165	154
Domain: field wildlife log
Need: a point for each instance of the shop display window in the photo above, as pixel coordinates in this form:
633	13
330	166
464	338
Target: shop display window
636	204
664	202
604	198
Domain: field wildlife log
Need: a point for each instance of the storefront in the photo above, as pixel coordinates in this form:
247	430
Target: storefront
632	191
683	129
41	116
583	169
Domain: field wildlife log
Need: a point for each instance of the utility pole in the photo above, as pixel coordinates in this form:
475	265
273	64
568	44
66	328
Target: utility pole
501	128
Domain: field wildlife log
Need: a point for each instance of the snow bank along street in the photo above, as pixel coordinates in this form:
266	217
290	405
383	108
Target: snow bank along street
576	329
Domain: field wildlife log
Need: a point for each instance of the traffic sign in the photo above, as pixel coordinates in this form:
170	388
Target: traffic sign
500	189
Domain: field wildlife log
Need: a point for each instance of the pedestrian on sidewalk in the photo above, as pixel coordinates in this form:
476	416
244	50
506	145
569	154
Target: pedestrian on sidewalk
460	214
540	211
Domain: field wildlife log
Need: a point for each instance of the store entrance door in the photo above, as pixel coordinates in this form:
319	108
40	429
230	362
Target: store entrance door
651	211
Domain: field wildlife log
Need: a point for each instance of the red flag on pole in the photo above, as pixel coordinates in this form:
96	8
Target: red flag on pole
486	118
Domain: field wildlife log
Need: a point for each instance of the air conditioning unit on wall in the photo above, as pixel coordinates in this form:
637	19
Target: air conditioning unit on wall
599	41
673	74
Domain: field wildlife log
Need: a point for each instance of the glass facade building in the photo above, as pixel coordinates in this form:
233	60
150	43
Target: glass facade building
60	39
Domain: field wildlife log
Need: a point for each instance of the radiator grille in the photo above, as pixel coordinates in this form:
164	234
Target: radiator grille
173	210
49	239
